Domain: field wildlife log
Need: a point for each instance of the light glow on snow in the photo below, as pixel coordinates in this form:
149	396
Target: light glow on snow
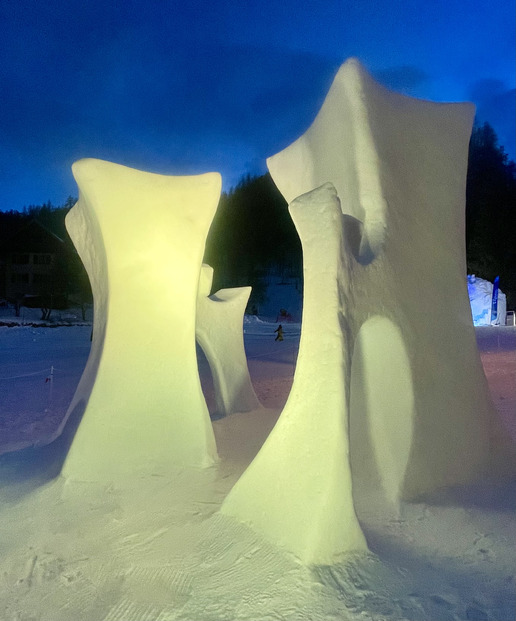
381	408
141	237
219	331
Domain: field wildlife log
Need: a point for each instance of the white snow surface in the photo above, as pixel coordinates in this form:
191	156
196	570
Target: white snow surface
156	548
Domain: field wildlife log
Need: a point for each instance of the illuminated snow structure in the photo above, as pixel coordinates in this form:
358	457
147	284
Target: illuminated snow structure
377	191
141	237
219	332
298	488
480	293
388	396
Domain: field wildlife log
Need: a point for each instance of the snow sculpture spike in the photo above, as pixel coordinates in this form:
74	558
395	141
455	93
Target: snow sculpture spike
297	491
219	333
420	414
141	237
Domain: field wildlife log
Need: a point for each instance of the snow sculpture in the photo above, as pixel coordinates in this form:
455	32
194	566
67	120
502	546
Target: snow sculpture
480	293
399	167
141	237
297	491
219	332
419	410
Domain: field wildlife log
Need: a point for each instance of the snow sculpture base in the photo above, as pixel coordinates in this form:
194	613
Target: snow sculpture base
219	331
297	491
420	413
141	237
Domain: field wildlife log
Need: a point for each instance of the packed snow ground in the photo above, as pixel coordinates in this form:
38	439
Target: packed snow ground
156	549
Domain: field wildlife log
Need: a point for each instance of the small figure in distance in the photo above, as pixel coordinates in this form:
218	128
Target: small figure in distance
279	330
282	314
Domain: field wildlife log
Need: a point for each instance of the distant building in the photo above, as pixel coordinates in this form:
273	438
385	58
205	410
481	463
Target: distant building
32	267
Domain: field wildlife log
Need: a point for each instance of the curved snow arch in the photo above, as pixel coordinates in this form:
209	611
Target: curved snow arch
381	408
219	333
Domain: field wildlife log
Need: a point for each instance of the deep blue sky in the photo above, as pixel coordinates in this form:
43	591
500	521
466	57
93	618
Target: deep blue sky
190	86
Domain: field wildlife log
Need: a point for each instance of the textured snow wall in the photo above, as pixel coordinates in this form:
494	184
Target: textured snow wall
408	374
219	331
141	237
297	491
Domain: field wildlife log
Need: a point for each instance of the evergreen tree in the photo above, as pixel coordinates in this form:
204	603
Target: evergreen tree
491	211
69	277
252	236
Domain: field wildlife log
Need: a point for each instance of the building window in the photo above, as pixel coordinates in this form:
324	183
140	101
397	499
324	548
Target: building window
20	258
42	259
19	278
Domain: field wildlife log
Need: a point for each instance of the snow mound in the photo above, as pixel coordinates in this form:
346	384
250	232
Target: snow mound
480	297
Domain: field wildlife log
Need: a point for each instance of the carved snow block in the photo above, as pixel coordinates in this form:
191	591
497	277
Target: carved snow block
141	237
297	491
421	417
219	331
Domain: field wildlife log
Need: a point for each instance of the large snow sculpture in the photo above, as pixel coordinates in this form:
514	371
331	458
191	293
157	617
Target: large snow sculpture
297	491
399	167
420	414
141	237
219	331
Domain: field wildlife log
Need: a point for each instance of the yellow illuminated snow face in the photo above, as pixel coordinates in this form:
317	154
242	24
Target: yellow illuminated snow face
141	237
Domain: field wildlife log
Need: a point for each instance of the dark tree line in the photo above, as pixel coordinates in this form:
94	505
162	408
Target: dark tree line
68	278
491	212
253	235
253	238
50	216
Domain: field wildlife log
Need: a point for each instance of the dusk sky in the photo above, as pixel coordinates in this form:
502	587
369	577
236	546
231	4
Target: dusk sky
196	86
